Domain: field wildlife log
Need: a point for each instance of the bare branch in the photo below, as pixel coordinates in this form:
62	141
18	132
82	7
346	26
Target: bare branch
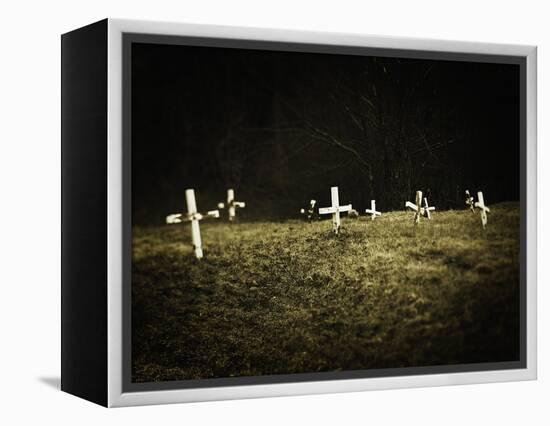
321	134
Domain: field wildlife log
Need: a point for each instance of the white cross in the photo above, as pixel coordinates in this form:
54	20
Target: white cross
480	204
372	210
232	205
335	209
470	201
425	211
419	210
192	216
416	207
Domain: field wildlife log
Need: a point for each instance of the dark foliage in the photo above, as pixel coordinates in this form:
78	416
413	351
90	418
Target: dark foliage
282	127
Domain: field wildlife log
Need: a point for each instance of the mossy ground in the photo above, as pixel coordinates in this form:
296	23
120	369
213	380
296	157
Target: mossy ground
291	297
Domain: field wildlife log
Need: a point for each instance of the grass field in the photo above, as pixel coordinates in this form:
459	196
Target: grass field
291	297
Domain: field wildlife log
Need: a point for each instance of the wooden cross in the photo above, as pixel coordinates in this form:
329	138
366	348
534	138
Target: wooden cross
335	209
372	210
418	209
425	211
480	204
194	217
470	201
232	205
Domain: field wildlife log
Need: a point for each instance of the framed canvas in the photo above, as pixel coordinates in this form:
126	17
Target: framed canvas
252	212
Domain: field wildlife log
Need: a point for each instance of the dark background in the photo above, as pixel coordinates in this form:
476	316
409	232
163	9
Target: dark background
282	127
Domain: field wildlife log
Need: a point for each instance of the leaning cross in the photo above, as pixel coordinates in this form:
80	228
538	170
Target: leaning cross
232	205
194	217
425	211
335	209
480	204
372	210
416	207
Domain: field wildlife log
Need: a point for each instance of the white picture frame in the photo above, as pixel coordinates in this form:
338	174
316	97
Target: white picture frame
116	393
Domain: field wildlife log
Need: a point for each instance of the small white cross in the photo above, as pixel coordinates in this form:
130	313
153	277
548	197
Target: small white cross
232	205
192	216
418	209
470	201
480	204
372	210
335	209
425	211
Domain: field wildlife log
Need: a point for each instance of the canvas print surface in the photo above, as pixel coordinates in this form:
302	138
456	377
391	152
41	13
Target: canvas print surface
297	213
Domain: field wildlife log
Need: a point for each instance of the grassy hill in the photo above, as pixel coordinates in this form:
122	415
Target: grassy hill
291	297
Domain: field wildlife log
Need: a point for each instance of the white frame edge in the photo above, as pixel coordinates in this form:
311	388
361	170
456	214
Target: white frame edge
116	397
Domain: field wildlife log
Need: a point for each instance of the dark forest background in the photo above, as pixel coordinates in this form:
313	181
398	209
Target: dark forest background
282	127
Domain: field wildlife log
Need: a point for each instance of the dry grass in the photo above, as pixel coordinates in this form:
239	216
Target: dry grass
279	298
